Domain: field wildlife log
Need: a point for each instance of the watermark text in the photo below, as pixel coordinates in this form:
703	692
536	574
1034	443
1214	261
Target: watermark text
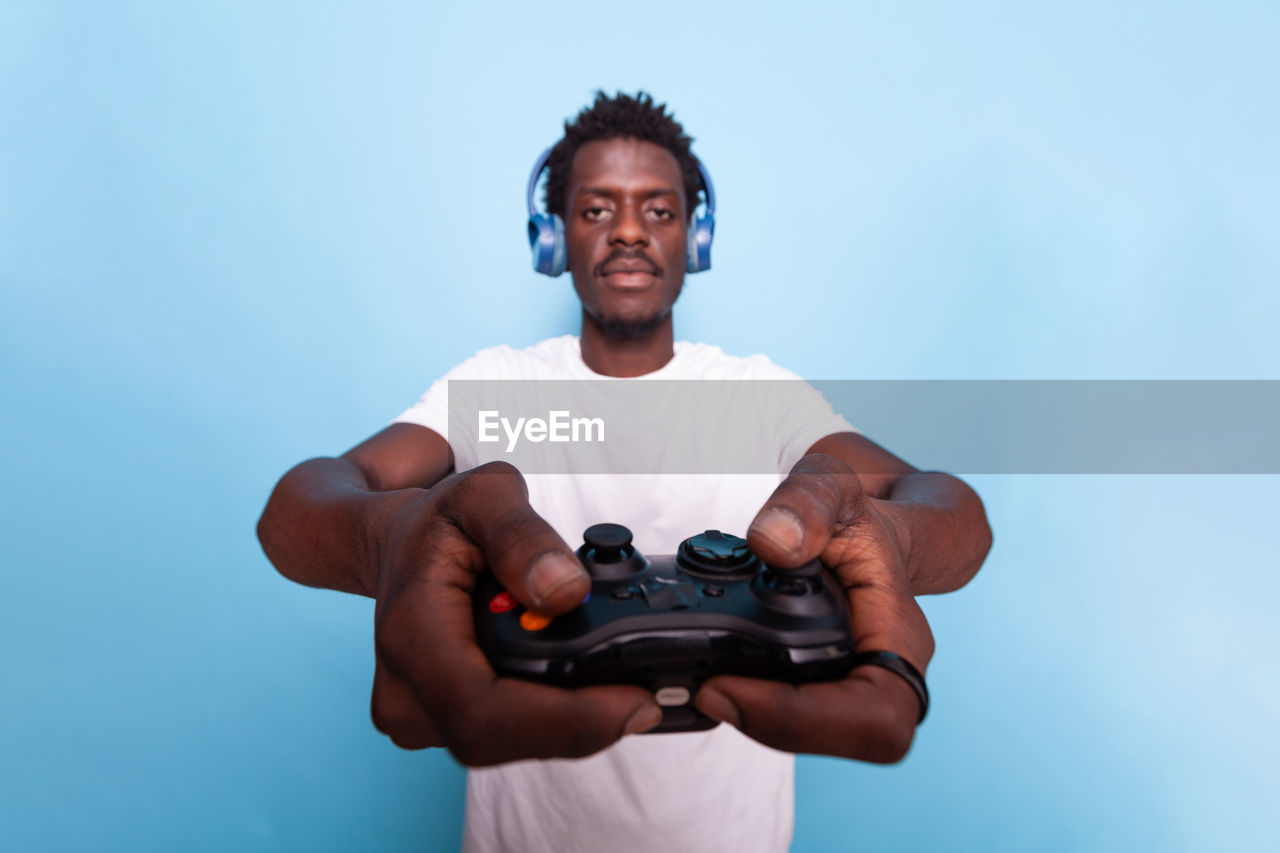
558	426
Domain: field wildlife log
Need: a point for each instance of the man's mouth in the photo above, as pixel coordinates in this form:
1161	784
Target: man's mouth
623	267
628	267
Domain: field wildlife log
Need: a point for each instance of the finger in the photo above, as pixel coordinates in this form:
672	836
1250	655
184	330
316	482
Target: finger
886	617
866	561
491	506
870	715
818	497
823	500
484	719
398	714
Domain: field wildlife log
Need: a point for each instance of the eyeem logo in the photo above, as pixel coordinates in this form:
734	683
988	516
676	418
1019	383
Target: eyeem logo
557	427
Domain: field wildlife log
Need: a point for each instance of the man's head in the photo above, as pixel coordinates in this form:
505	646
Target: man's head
625	184
621	116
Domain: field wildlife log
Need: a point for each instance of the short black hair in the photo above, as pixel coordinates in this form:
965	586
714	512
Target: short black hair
627	117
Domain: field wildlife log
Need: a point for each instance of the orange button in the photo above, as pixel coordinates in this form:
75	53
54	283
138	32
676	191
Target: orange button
501	603
533	621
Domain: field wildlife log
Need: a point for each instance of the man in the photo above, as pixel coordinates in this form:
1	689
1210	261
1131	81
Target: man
411	515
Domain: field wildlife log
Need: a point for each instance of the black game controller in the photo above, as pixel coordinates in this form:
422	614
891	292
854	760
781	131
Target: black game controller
668	623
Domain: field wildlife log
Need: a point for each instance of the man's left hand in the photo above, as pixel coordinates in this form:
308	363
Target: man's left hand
821	510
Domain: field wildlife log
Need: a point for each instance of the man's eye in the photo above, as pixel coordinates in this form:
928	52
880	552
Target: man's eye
662	213
594	214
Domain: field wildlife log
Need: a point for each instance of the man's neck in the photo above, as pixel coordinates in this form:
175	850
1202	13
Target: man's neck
612	356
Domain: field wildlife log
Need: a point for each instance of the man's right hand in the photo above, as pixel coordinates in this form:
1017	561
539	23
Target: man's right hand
433	685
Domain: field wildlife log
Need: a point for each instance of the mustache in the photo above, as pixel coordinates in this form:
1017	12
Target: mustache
621	254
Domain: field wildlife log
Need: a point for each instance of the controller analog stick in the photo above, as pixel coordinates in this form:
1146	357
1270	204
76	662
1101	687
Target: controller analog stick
608	554
607	541
792	582
797	591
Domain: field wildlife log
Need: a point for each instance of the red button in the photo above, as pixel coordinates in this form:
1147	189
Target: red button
501	603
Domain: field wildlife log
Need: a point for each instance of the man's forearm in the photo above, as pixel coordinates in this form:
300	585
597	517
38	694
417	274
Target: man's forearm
324	526
943	528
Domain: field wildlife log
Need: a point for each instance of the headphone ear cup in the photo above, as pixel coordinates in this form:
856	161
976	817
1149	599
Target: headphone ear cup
698	254
546	239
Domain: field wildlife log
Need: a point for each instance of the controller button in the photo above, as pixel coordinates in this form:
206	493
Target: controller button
623	593
672	696
713	591
501	603
531	620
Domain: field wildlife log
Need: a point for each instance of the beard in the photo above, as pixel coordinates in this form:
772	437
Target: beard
630	328
624	327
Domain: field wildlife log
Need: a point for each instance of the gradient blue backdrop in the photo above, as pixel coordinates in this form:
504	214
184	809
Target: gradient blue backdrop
236	235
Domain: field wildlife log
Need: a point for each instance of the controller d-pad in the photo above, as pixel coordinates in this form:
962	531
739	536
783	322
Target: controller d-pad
716	553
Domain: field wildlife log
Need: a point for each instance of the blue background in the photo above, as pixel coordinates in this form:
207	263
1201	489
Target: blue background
233	236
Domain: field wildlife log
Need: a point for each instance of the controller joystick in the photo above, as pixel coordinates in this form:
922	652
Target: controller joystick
669	622
607	553
799	591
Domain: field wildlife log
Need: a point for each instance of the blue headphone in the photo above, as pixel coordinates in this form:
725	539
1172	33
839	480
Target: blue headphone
546	230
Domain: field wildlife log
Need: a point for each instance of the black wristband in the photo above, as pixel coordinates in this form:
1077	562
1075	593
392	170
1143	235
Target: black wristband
900	667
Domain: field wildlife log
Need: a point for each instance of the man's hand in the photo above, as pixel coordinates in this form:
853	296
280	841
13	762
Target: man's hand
822	510
432	685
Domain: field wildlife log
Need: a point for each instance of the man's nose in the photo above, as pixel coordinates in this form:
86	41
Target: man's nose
629	227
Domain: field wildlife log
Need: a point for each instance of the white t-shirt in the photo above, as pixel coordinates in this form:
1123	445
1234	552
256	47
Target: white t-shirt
695	791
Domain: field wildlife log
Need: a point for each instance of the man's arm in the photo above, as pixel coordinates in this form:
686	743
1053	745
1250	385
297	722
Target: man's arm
325	521
940	522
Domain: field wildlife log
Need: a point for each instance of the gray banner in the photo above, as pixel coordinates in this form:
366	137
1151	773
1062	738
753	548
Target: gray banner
965	427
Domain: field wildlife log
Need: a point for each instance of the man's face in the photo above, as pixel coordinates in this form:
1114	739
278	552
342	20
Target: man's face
625	228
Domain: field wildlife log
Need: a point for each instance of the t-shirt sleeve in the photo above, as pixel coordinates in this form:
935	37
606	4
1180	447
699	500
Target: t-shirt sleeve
432	408
802	415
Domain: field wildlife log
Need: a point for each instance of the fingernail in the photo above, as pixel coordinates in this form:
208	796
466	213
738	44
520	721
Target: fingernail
551	572
717	706
641	721
781	528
